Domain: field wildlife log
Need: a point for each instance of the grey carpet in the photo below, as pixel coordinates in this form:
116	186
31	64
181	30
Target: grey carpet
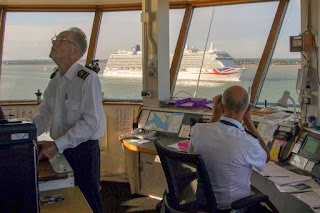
116	198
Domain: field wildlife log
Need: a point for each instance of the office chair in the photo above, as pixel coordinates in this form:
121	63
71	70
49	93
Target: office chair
189	185
166	206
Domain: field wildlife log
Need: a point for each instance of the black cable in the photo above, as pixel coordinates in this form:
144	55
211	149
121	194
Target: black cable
204	52
175	96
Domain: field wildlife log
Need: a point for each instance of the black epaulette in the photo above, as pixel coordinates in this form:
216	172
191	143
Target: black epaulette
54	73
251	134
83	74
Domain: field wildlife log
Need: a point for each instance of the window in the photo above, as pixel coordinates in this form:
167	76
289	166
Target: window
283	70
26	65
119	50
240	36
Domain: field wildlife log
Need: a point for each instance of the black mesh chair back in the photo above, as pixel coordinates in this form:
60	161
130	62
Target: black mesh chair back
166	206
188	181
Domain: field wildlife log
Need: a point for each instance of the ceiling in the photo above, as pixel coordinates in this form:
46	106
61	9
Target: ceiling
113	2
71	2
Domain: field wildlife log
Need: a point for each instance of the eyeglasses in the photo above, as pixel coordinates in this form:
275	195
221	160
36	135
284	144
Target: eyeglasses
56	39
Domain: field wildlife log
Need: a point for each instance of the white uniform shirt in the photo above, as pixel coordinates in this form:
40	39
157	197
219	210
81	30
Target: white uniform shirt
229	153
72	108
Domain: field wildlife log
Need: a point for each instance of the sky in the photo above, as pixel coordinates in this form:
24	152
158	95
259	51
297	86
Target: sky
241	30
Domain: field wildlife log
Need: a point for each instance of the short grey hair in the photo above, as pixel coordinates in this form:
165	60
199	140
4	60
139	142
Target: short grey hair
234	102
80	38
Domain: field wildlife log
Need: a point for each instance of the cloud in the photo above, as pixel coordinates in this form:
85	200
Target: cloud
240	29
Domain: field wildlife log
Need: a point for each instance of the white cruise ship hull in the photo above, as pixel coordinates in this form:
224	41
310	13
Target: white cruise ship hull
233	75
216	65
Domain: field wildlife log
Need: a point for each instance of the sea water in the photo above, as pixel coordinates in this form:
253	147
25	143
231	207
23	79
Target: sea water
21	82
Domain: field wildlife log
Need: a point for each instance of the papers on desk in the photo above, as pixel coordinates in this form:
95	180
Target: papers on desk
139	141
305	188
275	118
266	131
310	198
296	187
175	146
60	164
281	176
44	137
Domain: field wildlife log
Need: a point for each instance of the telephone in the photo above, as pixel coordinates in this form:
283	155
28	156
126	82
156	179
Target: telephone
140	133
280	146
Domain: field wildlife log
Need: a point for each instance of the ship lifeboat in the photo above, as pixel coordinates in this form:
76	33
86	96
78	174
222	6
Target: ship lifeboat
120	68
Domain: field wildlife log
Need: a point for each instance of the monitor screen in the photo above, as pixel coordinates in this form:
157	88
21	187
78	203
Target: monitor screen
159	121
311	145
18	179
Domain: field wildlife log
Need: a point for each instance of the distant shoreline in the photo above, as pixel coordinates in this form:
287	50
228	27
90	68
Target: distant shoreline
238	61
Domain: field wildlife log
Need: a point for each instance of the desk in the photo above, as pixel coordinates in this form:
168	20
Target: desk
146	147
284	202
74	201
56	173
149	147
49	178
144	169
46	172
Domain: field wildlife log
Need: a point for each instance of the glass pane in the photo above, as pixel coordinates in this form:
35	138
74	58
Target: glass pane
119	33
240	36
176	18
119	51
26	64
282	73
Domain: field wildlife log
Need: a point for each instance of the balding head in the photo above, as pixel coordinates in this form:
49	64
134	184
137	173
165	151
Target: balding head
80	38
235	99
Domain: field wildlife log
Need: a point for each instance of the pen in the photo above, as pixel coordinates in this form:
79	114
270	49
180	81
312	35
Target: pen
269	176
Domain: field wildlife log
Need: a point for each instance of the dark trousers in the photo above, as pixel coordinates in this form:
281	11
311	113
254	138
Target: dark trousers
85	162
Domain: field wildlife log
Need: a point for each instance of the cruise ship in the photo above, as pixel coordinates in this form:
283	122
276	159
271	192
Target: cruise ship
216	65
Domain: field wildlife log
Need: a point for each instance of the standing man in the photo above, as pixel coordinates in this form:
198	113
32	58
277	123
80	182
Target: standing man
228	150
72	111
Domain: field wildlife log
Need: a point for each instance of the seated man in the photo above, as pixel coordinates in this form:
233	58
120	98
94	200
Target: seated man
228	150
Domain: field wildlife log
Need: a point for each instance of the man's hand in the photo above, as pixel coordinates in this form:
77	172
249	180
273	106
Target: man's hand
247	116
216	110
253	130
48	149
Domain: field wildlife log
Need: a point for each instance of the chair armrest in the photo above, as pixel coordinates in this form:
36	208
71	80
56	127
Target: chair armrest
249	201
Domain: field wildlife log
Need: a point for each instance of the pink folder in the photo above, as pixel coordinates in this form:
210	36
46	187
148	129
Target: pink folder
184	144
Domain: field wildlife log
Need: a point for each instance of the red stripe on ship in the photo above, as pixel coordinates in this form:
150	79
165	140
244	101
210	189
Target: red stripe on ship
223	72
218	73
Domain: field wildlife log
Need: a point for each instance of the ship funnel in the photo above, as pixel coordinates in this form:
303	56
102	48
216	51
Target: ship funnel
211	47
186	47
136	48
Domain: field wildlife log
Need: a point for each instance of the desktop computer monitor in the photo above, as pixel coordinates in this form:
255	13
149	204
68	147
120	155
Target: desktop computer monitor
18	169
